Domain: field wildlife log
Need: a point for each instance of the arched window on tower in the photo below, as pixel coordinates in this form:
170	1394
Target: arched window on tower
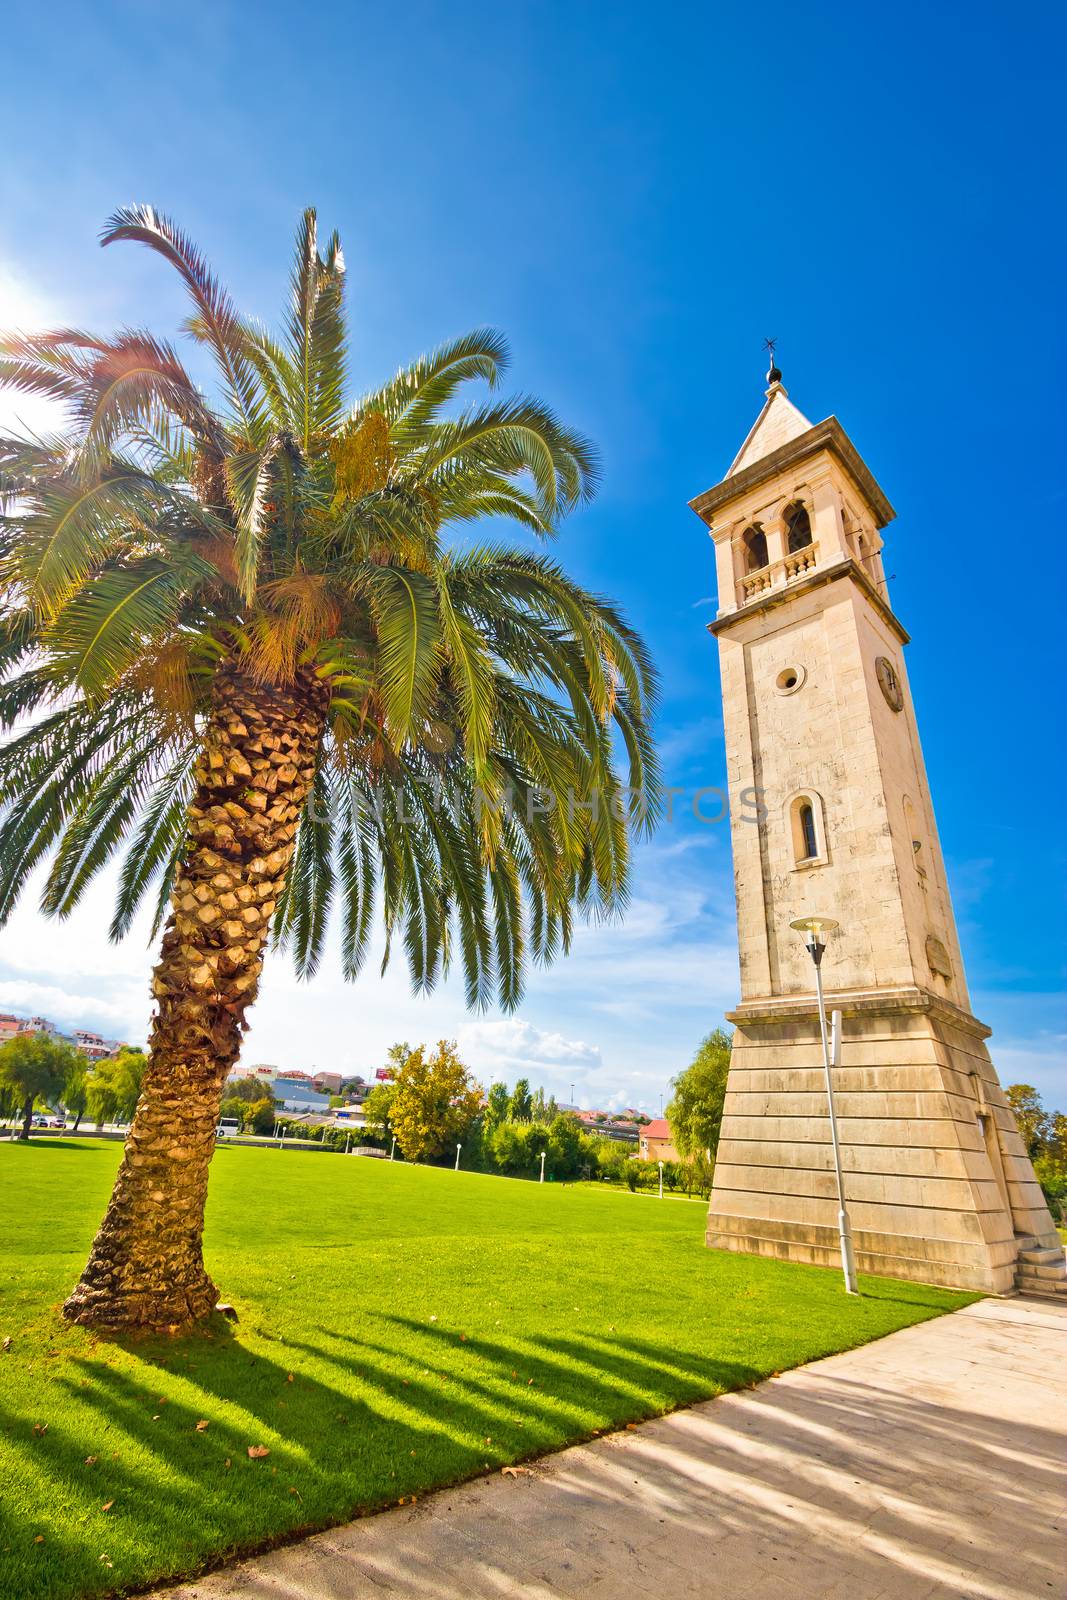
755	543
797	527
806	830
806	818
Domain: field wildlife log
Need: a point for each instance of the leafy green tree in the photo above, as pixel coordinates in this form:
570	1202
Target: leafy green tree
520	1104
496	1106
695	1110
543	1108
1044	1133
114	1085
514	1148
378	1106
76	1089
435	1101
248	1089
258	1116
564	1145
1031	1118
35	1066
244	644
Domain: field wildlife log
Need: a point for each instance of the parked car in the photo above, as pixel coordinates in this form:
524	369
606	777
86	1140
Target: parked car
58	1122
39	1121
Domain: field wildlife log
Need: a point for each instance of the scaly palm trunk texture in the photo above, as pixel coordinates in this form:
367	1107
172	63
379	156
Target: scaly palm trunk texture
146	1267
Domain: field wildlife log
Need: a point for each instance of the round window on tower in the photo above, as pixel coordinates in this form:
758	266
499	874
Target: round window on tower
790	679
889	683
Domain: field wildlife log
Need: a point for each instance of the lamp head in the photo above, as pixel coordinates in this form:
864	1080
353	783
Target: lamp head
813	928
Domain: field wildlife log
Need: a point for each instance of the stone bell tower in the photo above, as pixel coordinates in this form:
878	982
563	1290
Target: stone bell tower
819	722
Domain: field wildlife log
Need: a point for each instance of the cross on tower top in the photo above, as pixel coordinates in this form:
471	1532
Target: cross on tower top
773	373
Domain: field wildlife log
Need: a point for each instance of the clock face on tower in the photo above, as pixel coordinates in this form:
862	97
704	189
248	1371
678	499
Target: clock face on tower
889	683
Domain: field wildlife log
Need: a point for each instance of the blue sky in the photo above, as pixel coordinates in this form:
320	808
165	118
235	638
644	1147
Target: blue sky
636	195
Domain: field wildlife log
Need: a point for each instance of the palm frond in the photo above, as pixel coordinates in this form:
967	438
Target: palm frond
218	317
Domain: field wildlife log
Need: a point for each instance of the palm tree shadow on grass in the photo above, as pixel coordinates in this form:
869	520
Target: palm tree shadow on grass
378	1423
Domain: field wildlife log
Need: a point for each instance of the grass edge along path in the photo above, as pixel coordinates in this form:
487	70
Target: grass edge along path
401	1329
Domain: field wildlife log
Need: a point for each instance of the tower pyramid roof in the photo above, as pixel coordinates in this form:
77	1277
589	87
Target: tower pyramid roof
778	423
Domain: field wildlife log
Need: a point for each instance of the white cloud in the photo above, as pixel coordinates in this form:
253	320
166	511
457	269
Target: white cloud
509	1048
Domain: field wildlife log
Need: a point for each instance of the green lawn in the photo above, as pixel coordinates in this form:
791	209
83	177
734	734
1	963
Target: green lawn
400	1328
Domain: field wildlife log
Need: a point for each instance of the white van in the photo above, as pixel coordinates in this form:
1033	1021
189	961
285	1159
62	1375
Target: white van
228	1128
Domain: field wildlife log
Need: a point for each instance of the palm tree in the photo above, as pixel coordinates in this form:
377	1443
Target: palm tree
237	645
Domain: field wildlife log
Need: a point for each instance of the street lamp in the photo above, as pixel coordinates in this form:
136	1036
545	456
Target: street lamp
542	1177
392	1148
661	1180
459	1147
814	929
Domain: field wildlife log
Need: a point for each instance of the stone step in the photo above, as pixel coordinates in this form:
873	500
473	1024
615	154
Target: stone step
1028	1270
1039	1257
1046	1287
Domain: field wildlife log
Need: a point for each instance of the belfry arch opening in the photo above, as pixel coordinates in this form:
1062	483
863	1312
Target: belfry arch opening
797	528
755	542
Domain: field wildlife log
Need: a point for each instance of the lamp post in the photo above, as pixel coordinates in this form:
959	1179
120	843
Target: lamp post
459	1147
541	1179
392	1148
661	1180
813	929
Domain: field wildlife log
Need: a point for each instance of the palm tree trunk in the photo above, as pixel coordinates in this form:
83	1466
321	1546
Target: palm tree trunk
146	1267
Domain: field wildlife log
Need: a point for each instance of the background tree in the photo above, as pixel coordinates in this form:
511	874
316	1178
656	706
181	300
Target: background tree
513	1148
35	1066
75	1089
378	1105
543	1108
114	1084
249	1090
435	1101
695	1109
496	1106
563	1145
520	1103
1044	1133
1031	1118
243	647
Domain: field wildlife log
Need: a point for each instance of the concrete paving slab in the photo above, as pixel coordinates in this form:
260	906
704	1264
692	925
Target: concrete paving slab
929	1466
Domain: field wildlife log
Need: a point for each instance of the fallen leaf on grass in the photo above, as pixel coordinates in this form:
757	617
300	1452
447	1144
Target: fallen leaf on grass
299	1496
227	1462
40	1427
107	1505
7	1342
90	1461
289	1379
38	1538
515	1472
107	1561
256	1452
203	1425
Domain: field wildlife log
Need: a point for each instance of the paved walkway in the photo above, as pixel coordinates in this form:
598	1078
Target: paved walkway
933	1463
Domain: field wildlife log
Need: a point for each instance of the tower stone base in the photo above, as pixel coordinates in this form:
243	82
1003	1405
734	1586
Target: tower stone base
938	1185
